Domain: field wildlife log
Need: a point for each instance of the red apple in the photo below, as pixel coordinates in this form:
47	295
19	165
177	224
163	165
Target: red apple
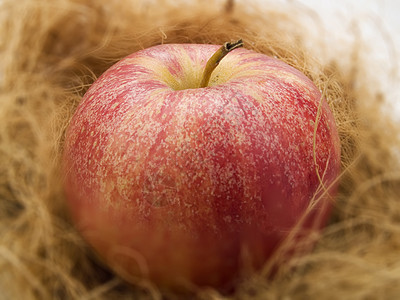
191	186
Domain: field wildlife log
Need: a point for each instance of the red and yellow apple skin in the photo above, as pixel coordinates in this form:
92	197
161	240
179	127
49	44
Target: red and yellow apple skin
191	186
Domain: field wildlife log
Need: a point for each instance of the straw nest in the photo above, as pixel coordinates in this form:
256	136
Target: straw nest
52	50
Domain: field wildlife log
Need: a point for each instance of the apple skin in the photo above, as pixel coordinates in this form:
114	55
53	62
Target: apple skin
192	187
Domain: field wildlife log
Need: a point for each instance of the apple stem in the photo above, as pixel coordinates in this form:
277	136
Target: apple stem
213	62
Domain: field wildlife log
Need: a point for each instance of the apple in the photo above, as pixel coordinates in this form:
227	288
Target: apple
189	170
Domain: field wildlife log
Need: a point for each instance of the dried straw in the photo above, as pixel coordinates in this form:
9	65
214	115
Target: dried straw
52	50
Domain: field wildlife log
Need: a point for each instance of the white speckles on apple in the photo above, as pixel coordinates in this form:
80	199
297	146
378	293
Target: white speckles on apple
173	161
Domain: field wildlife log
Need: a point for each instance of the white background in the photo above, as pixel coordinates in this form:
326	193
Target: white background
378	22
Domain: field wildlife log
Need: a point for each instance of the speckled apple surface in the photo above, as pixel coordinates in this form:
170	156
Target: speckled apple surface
186	185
